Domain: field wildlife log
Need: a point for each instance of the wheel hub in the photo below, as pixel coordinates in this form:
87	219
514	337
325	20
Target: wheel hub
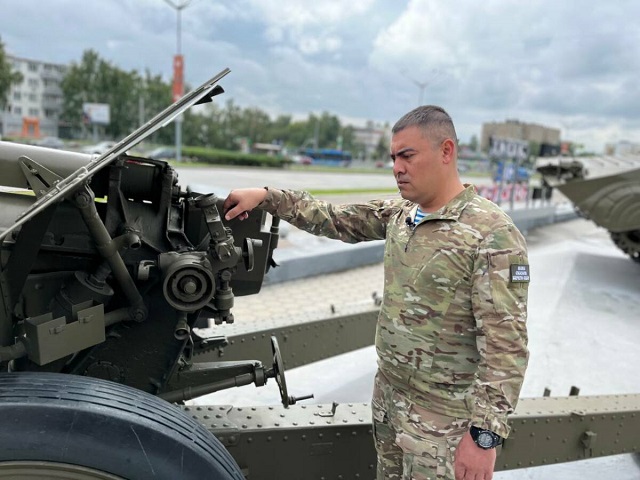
36	470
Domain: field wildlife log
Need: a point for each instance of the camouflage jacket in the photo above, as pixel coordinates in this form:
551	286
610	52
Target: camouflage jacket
451	332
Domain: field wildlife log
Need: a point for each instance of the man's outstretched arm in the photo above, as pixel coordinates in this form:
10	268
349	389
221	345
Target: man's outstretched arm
349	222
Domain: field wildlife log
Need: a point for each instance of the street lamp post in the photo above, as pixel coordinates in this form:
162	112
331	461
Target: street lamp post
421	85
178	71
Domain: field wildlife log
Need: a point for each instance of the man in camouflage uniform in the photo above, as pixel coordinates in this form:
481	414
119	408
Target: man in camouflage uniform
451	336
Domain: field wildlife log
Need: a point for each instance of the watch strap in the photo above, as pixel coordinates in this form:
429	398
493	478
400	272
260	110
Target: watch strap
475	432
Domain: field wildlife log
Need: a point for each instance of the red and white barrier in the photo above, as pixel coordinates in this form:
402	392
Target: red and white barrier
491	192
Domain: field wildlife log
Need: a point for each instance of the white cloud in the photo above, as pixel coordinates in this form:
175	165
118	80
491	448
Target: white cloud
310	26
533	60
301	14
310	45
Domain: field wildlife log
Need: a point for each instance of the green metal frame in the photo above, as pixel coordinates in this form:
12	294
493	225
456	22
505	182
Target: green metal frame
335	441
551	430
301	343
325	441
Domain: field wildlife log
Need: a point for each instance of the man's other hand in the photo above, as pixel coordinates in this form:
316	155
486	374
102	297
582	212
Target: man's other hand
472	462
240	202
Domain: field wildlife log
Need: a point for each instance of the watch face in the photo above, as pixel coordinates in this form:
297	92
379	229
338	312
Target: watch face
485	440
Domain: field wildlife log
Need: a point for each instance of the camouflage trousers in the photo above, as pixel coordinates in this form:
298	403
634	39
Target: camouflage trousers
412	443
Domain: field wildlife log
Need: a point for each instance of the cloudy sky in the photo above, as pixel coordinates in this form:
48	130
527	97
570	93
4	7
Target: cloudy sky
571	64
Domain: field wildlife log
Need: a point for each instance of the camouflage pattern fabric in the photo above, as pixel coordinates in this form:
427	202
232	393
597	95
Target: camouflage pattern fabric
451	334
412	442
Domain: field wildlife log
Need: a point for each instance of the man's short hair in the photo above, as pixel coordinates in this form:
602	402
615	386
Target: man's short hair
434	121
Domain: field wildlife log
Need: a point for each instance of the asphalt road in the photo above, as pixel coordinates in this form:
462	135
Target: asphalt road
225	179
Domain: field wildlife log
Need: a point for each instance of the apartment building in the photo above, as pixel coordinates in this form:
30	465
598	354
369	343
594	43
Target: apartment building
517	130
33	106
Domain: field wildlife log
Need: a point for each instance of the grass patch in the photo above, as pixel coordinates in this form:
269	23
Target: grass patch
347	170
290	168
227	157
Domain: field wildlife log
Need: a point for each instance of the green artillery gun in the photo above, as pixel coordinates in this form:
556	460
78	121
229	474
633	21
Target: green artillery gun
107	269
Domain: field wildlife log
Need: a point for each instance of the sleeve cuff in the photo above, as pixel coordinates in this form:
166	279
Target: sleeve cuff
271	201
490	421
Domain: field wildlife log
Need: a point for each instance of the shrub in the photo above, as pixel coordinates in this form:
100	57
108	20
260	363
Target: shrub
227	157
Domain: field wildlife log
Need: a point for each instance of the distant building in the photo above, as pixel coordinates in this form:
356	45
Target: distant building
548	138
369	137
33	106
623	147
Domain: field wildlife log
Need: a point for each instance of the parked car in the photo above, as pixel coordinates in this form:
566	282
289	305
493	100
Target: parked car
98	148
301	159
162	153
50	142
523	174
384	164
463	166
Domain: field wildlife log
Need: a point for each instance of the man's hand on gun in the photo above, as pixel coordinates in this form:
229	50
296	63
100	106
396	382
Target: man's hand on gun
240	202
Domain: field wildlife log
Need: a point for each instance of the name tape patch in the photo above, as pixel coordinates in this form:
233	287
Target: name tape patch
519	273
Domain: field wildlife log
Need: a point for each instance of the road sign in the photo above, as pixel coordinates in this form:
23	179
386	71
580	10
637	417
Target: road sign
96	113
509	148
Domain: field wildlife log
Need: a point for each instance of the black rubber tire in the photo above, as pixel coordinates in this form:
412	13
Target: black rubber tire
105	426
628	242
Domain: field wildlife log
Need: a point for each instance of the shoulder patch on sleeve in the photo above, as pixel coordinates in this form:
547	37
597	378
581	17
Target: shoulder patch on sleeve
519	273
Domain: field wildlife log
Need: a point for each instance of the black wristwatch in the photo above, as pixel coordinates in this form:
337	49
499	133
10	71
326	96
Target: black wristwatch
485	438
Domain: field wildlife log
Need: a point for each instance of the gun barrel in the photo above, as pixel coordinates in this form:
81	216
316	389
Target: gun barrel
61	162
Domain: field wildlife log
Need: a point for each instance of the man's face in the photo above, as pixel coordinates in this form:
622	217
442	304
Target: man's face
417	165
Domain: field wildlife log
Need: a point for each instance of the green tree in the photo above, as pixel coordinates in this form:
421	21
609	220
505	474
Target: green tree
324	129
382	149
279	129
197	129
253	124
95	80
329	130
154	95
123	99
534	149
348	138
229	124
301	132
135	98
7	77
78	87
473	143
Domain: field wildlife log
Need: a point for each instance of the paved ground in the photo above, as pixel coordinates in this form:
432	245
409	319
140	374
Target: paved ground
225	179
312	296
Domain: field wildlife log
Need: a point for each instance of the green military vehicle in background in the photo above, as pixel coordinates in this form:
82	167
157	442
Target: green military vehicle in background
605	190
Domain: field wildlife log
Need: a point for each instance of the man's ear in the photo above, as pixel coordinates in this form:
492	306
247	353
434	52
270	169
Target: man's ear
448	151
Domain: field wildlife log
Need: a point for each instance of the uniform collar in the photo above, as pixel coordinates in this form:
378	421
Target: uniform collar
453	209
